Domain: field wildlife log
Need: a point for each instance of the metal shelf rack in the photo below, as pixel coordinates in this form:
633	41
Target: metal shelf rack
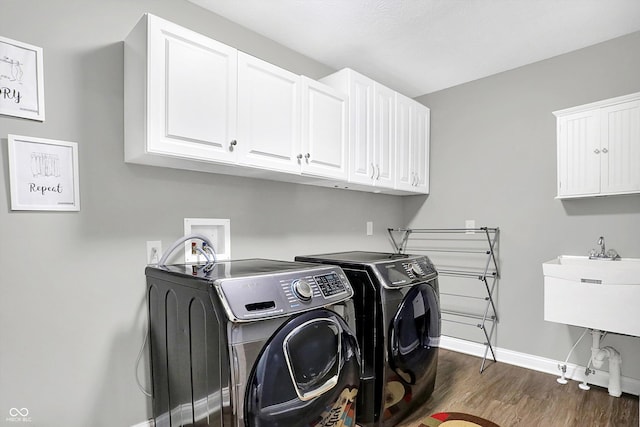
464	253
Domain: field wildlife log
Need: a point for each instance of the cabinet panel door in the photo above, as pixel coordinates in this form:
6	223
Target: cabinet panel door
404	172
361	129
620	148
192	94
268	115
579	154
384	139
420	147
324	131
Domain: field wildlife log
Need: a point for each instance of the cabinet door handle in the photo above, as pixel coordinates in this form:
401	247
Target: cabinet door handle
378	175
299	156
373	171
232	144
307	156
596	151
605	150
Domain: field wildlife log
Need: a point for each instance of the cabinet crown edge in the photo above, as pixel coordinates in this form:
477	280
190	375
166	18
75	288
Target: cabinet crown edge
598	104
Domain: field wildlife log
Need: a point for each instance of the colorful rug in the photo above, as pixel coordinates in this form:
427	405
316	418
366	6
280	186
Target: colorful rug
455	419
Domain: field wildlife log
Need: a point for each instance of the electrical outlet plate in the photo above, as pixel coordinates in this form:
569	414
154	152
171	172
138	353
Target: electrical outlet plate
470	223
154	251
216	230
369	228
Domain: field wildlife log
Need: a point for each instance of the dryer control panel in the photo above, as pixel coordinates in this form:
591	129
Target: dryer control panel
281	294
406	272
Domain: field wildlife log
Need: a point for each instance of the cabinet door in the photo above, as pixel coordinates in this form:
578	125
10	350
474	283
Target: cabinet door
579	154
412	145
191	94
420	149
324	131
361	123
620	148
268	115
384	136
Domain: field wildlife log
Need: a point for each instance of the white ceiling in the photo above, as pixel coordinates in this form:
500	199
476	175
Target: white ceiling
421	46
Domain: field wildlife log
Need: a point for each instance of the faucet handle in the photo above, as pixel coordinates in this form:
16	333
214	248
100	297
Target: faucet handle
613	254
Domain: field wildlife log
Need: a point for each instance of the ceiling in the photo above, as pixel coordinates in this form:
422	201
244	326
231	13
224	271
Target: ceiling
421	46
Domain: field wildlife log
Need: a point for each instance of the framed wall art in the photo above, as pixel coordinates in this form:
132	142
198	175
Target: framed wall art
43	174
21	80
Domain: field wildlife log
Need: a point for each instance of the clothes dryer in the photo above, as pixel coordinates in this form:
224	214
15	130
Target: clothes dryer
398	329
252	343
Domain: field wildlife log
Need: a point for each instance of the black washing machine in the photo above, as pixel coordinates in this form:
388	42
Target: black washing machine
252	343
398	329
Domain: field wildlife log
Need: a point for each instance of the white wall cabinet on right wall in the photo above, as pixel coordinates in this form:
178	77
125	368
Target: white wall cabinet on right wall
599	148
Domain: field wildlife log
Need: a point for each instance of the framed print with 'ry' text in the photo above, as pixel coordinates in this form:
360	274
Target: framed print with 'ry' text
21	80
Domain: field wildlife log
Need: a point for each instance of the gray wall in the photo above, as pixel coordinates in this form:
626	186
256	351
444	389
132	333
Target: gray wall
72	284
493	159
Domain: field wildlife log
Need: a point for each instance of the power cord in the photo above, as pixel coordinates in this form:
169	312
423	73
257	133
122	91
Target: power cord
210	255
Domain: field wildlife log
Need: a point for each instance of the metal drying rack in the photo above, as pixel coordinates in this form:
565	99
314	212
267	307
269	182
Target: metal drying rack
459	243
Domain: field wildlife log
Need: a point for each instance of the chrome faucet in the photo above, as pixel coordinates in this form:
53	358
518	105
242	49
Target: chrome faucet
603	254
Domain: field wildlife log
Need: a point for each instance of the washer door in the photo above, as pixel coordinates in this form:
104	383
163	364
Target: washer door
415	334
306	375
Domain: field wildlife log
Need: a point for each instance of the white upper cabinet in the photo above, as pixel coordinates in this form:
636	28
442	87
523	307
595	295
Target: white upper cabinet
180	94
191	102
268	115
412	145
384	136
371	128
324	131
599	148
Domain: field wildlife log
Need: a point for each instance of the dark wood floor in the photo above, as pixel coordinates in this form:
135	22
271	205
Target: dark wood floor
512	396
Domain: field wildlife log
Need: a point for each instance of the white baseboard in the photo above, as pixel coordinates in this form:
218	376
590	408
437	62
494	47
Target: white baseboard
536	363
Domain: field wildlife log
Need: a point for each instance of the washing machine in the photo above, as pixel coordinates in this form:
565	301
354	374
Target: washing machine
252	343
398	330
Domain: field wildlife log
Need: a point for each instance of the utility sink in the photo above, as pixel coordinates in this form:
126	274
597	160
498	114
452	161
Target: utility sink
600	294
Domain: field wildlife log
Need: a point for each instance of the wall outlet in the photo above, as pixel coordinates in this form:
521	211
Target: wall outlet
154	251
369	228
470	223
218	231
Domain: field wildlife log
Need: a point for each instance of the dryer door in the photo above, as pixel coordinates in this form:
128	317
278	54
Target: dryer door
415	334
306	375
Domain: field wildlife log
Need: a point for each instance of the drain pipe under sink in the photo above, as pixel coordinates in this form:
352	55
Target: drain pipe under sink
598	355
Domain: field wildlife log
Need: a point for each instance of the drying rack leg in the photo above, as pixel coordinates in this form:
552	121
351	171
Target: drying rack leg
488	345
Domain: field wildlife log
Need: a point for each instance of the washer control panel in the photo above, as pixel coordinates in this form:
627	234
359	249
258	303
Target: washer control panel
280	294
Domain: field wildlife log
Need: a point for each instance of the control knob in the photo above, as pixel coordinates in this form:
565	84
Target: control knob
302	290
415	267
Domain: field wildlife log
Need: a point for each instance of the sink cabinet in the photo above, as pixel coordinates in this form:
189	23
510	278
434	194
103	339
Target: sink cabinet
599	148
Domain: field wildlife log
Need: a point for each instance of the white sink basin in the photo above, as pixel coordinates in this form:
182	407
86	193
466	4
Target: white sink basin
624	271
597	294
